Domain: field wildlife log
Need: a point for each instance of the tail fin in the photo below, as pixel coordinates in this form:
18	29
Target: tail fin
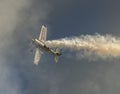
57	50
56	58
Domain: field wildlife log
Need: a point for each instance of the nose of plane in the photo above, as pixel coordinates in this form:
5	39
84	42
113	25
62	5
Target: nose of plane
33	40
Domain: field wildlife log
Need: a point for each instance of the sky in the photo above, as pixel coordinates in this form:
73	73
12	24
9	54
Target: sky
21	20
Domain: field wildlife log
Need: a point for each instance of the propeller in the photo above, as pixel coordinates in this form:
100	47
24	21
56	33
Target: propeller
31	46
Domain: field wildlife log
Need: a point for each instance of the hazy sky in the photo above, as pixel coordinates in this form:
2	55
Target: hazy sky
21	20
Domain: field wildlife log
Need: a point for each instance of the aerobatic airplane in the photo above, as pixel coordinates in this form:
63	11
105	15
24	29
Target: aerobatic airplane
41	46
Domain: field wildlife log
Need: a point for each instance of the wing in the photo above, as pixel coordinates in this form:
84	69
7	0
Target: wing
37	56
43	33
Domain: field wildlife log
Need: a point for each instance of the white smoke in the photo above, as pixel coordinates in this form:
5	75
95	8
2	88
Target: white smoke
101	45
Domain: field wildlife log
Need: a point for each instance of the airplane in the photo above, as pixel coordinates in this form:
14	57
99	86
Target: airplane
41	46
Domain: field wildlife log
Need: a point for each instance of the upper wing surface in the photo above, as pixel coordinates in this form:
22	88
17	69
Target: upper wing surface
37	56
43	33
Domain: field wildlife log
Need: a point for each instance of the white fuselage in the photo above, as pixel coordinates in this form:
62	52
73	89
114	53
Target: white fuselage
41	45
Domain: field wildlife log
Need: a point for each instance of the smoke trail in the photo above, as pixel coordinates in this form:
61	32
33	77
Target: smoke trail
101	45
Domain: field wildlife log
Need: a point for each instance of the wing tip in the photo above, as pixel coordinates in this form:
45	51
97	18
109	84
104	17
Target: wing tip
35	63
44	26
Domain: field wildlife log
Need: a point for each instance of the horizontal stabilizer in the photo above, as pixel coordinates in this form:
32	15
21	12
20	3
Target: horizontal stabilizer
56	58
